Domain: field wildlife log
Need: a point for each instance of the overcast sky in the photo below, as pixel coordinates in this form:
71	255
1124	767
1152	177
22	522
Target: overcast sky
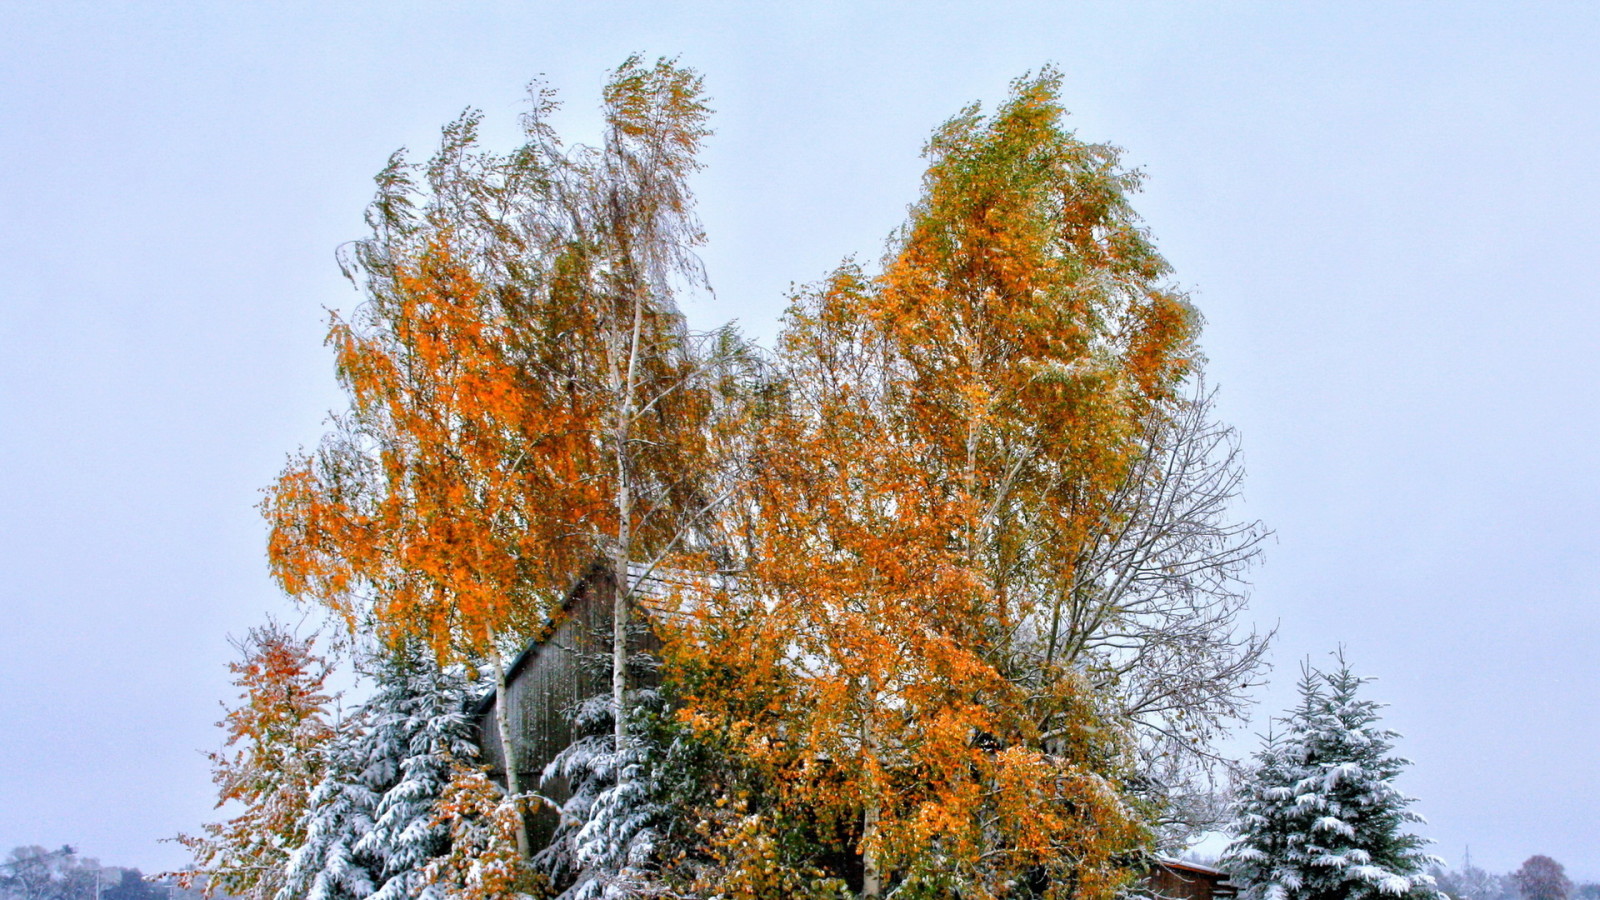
1388	216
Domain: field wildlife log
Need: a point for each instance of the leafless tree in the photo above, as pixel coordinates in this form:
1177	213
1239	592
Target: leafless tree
1470	882
1153	617
34	873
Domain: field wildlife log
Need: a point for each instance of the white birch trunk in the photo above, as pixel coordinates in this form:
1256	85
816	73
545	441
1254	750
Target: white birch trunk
624	546
871	876
502	723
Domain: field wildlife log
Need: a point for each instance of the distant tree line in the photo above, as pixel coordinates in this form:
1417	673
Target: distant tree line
36	873
1539	878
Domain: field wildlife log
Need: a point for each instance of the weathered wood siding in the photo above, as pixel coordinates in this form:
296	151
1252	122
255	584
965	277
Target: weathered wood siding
545	682
1175	880
548	679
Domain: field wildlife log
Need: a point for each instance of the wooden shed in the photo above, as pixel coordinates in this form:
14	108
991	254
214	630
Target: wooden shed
568	663
545	681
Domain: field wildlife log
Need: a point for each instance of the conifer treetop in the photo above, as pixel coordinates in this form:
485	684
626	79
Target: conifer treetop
1320	816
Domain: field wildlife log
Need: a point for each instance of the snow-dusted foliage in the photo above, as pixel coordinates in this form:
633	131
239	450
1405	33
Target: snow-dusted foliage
373	823
1319	817
483	862
605	844
421	733
275	756
339	816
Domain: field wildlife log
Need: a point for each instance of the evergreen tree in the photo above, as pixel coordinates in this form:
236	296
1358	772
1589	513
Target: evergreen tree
606	835
327	865
1321	818
422	733
1264	817
373	824
612	824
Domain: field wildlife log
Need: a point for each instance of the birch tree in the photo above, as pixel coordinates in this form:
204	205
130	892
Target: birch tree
989	543
525	396
1054	373
635	230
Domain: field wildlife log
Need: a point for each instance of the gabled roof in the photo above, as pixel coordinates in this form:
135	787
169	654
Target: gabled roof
648	584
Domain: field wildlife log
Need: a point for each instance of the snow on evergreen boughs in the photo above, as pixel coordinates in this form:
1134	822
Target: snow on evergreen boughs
327	866
1320	817
373	823
423	731
1264	822
609	828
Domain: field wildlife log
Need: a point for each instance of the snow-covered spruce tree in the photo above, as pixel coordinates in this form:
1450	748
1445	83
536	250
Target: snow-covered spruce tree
374	823
421	733
327	866
1320	817
606	840
1269	831
611	826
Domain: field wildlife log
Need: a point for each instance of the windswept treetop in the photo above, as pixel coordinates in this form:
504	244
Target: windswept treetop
944	634
518	361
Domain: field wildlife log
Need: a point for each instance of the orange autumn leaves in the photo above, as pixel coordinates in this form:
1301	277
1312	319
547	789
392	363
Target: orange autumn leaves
444	502
895	513
948	434
271	762
523	393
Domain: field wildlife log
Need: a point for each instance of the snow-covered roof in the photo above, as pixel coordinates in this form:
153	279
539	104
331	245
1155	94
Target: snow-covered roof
1186	865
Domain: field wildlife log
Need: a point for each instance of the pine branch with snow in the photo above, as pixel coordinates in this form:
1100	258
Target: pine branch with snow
606	842
327	866
424	733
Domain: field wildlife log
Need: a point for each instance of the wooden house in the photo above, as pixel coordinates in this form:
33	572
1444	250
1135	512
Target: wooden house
568	663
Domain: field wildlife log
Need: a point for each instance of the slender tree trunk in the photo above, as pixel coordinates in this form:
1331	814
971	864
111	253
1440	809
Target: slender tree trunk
502	722
620	620
871	876
619	616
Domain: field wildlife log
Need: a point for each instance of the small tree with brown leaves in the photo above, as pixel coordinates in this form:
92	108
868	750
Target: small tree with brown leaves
1542	878
273	757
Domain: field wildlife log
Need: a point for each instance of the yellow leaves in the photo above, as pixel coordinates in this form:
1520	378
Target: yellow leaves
747	861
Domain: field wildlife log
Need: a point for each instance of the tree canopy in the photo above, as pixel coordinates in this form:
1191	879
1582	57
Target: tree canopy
957	575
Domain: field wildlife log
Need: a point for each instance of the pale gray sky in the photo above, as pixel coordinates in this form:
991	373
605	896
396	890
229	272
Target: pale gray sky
1389	216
